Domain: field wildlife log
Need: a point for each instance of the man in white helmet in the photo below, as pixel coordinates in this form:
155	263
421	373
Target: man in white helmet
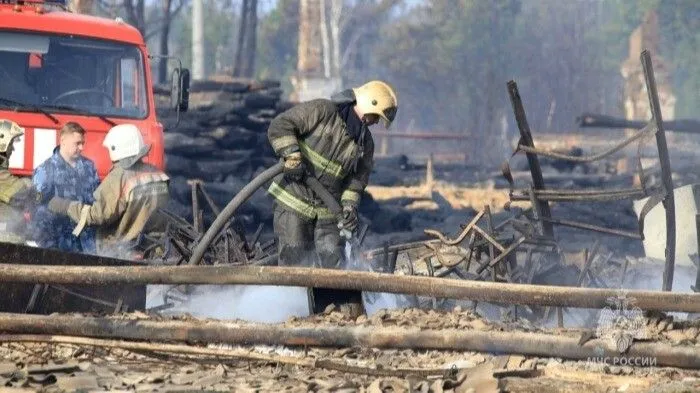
126	199
328	139
16	193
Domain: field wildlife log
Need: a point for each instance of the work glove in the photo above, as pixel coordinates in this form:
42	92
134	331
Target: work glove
294	168
59	205
24	199
350	219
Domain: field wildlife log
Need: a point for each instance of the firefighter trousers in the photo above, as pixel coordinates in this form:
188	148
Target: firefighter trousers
307	243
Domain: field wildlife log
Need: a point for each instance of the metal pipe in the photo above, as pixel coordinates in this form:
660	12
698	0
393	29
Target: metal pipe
595	228
351	280
211	331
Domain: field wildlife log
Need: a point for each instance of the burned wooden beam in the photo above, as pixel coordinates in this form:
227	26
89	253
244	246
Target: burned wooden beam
594	120
211	331
665	163
218	353
533	161
341	279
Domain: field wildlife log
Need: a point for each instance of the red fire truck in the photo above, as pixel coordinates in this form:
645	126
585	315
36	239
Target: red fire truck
57	66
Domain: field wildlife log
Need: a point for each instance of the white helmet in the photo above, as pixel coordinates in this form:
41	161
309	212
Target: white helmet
9	130
125	144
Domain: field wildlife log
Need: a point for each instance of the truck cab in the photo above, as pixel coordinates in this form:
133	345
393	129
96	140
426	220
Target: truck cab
57	66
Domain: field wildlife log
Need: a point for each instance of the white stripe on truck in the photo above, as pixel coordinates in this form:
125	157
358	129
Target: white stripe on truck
44	143
17	157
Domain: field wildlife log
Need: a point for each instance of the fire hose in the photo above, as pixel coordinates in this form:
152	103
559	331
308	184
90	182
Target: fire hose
245	194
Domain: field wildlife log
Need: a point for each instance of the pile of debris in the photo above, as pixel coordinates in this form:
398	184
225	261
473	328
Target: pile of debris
221	141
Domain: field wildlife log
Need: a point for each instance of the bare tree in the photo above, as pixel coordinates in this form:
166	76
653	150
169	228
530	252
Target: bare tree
325	39
336	15
136	14
197	40
244	65
357	22
164	36
309	58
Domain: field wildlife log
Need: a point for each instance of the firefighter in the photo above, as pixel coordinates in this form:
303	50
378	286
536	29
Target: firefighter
328	139
16	193
127	198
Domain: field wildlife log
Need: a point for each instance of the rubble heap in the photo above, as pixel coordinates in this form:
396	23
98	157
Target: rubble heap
221	141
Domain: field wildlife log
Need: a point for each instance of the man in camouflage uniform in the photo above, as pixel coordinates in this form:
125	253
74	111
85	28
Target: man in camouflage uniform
329	140
66	174
125	203
16	193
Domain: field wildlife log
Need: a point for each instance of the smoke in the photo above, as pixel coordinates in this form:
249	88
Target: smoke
254	303
376	301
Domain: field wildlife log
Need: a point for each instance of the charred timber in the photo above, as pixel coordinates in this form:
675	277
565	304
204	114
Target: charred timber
193	331
541	206
351	280
594	120
665	163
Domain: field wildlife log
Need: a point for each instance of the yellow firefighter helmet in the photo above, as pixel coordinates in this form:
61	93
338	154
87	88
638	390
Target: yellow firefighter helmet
377	97
9	130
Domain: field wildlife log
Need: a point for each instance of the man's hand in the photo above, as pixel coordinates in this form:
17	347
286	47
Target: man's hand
59	205
294	168
350	219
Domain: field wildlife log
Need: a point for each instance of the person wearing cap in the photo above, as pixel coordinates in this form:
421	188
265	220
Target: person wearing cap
16	193
330	140
126	200
70	175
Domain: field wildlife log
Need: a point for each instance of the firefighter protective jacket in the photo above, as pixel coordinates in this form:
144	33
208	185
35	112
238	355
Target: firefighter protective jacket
333	156
11	217
124	203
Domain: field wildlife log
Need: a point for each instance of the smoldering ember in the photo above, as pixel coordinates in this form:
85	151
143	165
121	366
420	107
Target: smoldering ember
183	211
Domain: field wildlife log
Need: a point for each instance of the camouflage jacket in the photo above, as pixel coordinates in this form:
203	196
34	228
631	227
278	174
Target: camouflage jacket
55	177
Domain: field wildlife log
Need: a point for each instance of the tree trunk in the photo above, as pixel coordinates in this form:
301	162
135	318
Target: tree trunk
164	36
82	6
309	53
198	64
336	14
238	61
251	38
244	65
325	39
141	16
